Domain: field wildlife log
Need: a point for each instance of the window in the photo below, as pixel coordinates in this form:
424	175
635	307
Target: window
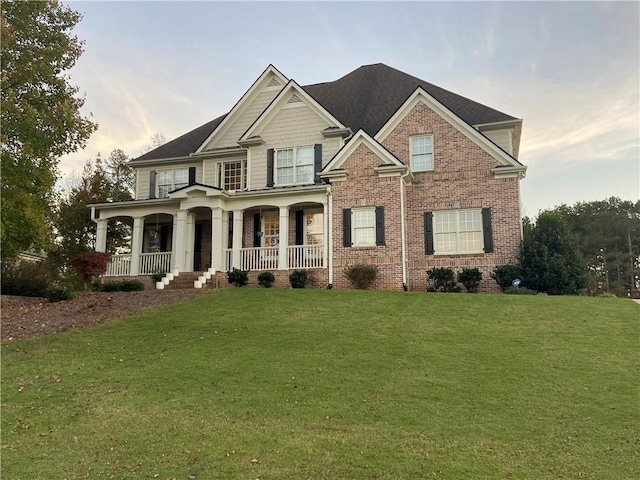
314	229
169	180
458	231
271	231
364	227
422	153
232	175
294	165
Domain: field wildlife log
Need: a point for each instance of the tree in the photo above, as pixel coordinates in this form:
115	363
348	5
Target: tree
549	257
40	119
101	181
609	240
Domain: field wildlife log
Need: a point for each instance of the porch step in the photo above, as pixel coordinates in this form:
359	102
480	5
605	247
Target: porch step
185	281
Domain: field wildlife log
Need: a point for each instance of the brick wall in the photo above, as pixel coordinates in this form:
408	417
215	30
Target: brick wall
461	179
364	187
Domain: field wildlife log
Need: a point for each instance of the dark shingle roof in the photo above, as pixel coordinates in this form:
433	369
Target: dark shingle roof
365	98
369	96
185	144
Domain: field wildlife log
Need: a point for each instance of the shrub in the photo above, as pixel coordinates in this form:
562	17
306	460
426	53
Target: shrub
59	294
470	278
123	286
238	277
505	274
90	264
298	278
361	276
266	279
26	279
443	280
520	291
158	275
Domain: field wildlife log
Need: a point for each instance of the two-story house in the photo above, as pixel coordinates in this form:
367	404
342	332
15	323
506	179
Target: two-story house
377	167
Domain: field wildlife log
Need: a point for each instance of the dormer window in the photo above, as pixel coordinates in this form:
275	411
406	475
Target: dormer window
294	165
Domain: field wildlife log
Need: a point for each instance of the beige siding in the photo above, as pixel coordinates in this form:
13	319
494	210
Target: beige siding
502	138
143	176
291	127
230	137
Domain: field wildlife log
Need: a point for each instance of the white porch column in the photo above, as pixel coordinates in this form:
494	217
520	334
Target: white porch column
238	224
101	235
325	233
137	233
217	237
283	261
189	240
180	226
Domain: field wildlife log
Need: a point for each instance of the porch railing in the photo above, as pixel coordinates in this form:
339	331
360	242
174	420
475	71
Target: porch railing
305	256
118	266
266	258
153	262
259	258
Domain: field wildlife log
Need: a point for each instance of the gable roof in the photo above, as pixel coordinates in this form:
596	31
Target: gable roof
367	98
292	89
363	99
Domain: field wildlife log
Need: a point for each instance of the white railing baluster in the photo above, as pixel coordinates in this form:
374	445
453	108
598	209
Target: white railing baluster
118	266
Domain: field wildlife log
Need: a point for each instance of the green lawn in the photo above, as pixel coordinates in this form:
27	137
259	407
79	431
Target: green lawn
296	384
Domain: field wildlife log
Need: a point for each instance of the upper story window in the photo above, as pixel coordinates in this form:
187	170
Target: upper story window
422	153
169	180
458	231
294	165
232	176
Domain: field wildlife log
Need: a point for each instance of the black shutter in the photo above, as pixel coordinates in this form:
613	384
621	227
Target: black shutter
256	229
299	227
428	233
379	225
270	167
192	175
487	230
346	227
317	161
152	183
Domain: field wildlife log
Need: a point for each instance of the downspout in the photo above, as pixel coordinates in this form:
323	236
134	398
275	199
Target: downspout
330	237
403	231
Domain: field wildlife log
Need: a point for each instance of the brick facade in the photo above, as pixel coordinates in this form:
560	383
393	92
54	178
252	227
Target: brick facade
461	178
365	188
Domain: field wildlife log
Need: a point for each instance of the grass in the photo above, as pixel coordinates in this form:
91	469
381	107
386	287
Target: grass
297	384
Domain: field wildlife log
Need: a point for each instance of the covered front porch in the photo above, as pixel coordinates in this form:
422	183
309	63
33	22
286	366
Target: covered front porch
194	231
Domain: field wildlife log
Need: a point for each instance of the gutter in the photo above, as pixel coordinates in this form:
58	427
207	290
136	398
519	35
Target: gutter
403	231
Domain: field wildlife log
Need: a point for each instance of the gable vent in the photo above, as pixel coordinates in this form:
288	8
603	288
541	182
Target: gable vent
274	82
294	99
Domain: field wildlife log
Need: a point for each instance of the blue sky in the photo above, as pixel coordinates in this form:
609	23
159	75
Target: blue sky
570	70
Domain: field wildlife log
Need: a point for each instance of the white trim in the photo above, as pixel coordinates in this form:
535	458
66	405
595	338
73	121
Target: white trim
420	95
509	172
361	138
279	103
238	109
